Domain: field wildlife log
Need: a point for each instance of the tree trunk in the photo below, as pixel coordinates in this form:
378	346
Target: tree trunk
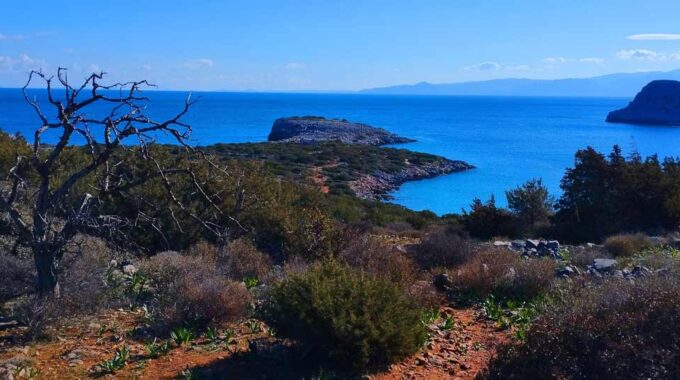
45	265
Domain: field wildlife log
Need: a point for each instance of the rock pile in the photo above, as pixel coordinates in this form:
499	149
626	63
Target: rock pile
533	247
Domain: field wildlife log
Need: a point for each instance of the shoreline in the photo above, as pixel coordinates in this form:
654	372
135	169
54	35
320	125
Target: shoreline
378	186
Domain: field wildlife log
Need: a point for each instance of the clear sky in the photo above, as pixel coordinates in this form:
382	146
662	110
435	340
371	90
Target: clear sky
286	45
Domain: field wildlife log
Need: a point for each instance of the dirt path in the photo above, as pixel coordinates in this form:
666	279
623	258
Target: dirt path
458	353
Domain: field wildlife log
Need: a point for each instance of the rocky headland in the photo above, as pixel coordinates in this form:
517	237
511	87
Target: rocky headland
366	183
310	129
658	103
379	184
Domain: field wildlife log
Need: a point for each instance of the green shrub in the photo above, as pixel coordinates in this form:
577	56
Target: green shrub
485	220
346	317
443	247
626	245
618	330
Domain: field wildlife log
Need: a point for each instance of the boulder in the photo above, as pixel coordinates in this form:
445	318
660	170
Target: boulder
604	265
532	244
553	245
129	269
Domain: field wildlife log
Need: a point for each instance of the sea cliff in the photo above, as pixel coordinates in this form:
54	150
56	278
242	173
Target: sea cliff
658	103
309	129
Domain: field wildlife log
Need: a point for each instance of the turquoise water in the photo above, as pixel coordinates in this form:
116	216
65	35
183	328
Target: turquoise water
508	139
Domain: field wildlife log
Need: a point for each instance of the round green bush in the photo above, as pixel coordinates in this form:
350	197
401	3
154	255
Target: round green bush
347	318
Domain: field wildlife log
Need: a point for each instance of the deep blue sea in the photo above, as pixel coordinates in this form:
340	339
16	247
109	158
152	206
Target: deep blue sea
508	139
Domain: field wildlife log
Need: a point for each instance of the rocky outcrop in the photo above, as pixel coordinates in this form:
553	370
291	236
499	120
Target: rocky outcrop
309	129
376	186
657	104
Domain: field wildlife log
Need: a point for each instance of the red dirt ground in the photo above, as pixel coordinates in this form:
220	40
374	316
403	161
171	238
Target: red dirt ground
459	353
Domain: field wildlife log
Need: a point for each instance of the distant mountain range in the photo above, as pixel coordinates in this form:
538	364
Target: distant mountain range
614	85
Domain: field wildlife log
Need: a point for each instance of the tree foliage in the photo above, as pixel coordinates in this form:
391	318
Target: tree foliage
530	202
605	195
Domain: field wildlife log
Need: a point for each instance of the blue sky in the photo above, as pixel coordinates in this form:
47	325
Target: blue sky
280	45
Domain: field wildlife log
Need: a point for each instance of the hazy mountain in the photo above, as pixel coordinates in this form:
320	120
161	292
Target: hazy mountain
627	84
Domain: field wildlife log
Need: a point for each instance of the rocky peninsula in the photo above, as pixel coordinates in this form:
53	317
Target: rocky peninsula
309	129
658	103
379	184
347	155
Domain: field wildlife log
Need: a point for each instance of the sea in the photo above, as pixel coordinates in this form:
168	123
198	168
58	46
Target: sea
508	139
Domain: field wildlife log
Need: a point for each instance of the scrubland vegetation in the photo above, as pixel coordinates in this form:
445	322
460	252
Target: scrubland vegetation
353	286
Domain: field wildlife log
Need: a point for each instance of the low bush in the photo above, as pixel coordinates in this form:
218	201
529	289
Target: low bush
190	291
17	274
582	256
503	274
243	260
616	330
626	245
347	318
380	260
443	247
83	290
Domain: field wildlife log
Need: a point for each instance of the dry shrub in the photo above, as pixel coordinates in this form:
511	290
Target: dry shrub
616	330
443	247
244	260
205	251
239	260
583	256
189	290
380	260
17	276
295	265
82	290
503	274
626	245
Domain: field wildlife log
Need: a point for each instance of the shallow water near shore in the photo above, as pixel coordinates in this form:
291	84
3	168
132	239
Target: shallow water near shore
508	139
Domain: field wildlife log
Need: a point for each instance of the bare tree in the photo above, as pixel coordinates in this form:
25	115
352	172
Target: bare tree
123	133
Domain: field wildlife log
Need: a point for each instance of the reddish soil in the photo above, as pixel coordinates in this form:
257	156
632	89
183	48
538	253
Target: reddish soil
459	353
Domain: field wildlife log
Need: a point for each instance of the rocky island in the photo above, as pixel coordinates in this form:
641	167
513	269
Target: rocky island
307	129
658	103
340	157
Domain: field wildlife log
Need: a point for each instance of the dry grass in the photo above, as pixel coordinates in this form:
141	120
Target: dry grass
244	260
583	256
17	274
380	260
443	247
626	245
189	290
615	330
503	274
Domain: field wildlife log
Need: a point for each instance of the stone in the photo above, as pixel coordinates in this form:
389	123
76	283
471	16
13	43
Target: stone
553	245
604	265
129	269
531	244
567	271
500	243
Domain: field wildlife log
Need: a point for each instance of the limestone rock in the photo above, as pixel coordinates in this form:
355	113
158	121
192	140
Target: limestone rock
658	103
311	129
